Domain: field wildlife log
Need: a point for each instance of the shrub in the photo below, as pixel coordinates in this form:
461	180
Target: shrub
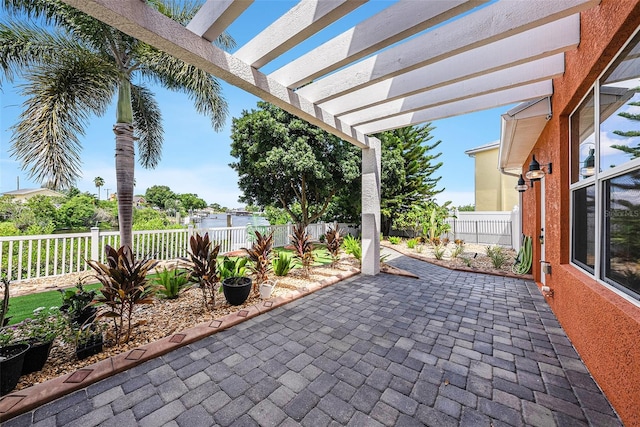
352	246
411	243
497	255
77	303
282	264
124	285
302	247
394	240
334	241
458	249
439	251
260	256
204	268
171	282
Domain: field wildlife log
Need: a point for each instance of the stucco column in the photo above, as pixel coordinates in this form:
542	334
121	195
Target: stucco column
371	158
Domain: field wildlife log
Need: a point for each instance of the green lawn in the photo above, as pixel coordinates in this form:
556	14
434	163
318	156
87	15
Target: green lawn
22	307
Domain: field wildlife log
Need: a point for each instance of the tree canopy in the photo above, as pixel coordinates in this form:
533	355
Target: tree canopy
283	161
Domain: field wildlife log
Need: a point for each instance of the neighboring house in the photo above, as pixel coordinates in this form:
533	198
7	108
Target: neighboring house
493	190
139	201
584	213
27	193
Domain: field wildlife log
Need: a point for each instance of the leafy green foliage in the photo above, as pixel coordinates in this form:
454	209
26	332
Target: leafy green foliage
394	240
204	268
459	248
124	285
282	264
283	159
192	201
467	208
439	250
77	212
233	267
497	255
302	247
260	256
411	243
334	241
171	282
78	302
157	195
352	246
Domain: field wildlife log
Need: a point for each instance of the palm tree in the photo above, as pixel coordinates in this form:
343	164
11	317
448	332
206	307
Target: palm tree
73	66
99	182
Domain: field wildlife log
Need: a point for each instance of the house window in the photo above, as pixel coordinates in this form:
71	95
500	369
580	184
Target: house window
605	175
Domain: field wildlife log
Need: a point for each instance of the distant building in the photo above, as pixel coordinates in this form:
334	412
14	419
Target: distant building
27	193
494	191
138	201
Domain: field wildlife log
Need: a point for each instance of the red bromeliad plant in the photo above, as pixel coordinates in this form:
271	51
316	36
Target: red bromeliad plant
124	285
302	247
334	241
260	256
204	270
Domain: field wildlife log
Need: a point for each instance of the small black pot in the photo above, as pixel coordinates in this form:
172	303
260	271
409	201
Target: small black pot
236	289
92	346
36	357
11	360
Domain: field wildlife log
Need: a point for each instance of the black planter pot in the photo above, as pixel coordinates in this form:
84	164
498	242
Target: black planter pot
36	357
11	360
236	289
88	315
90	347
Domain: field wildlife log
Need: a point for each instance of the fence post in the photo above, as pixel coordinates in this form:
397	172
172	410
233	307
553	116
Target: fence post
477	237
95	243
515	228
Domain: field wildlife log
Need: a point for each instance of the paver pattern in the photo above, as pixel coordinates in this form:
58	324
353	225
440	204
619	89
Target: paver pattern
449	349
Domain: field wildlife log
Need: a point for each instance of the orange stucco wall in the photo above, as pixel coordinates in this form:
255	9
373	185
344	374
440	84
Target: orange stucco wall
603	326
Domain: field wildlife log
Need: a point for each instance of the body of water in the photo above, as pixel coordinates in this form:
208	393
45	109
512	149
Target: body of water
220	220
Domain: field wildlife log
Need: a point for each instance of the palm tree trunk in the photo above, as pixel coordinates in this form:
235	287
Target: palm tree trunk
125	162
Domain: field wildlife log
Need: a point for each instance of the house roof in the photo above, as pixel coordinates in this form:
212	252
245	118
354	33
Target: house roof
405	65
27	191
486	147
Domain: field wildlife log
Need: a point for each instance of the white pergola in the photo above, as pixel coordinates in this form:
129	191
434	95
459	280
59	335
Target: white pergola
414	62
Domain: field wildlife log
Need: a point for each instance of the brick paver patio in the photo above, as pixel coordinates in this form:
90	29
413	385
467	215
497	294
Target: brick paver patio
449	349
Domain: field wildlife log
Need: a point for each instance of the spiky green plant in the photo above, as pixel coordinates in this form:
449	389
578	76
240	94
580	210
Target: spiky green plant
497	255
394	240
352	246
282	264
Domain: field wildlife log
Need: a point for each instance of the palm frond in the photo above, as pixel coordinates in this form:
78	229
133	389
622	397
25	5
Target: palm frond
147	121
202	88
61	95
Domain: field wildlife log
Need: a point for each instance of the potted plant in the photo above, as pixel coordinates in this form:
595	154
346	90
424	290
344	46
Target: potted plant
11	360
235	284
39	331
78	304
89	340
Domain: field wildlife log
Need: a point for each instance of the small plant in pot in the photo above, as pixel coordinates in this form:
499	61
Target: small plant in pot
78	304
89	340
39	331
235	283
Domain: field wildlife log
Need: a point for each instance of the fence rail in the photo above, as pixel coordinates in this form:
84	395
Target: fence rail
491	232
27	257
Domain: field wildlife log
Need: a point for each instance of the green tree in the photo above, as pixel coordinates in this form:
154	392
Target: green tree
44	210
98	182
77	212
73	66
157	195
192	201
633	151
217	207
284	160
409	174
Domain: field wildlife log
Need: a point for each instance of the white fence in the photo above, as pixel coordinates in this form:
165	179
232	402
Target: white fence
26	257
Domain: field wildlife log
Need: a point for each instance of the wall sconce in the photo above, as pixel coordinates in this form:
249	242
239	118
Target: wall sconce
535	173
589	165
522	185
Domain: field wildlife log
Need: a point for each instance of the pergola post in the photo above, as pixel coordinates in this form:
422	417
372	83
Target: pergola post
371	165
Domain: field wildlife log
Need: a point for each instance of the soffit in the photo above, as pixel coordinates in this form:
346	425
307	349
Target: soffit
411	63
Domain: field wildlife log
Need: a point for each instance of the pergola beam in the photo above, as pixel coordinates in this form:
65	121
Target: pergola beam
492	23
539	42
215	16
369	36
300	22
465	106
138	20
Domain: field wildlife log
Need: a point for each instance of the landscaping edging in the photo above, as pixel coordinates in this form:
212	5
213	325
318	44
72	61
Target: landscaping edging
19	402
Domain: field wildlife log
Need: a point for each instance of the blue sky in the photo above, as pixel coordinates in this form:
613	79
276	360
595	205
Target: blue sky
195	158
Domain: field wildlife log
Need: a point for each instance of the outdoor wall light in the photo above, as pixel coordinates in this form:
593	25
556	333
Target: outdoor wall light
535	173
589	165
522	185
